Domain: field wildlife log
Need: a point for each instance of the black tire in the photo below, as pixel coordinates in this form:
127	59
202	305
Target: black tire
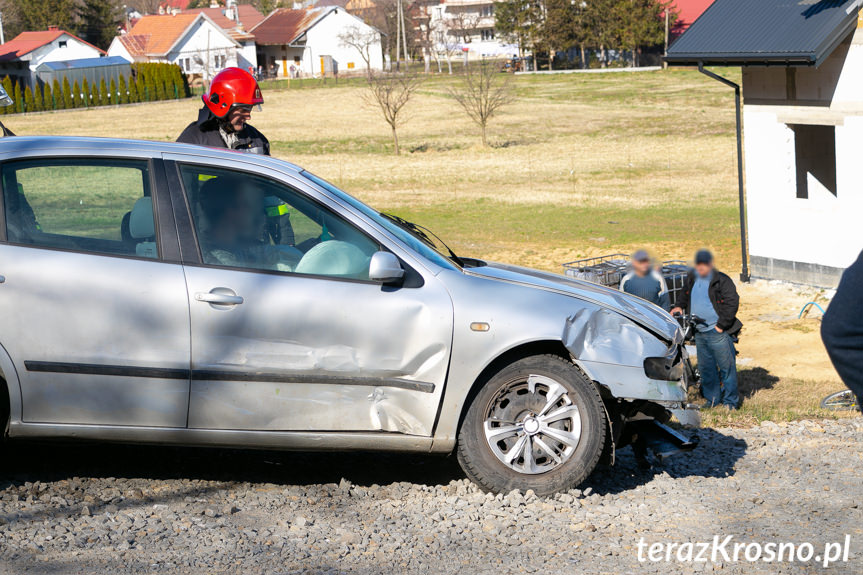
485	468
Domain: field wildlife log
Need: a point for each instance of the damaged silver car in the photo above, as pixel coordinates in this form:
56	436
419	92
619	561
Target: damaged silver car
165	293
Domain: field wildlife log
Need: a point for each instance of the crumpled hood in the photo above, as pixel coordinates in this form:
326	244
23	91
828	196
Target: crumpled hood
638	310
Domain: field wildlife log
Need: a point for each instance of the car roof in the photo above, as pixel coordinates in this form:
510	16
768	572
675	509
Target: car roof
103	146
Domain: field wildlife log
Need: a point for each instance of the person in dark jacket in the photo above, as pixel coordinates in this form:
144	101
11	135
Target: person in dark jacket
842	329
712	296
223	122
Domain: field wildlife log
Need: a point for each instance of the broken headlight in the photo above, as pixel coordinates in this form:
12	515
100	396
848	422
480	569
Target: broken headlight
668	368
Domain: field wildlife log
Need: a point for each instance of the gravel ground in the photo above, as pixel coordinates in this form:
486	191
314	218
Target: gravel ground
111	509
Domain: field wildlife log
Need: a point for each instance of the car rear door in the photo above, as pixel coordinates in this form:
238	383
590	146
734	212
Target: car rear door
300	342
93	298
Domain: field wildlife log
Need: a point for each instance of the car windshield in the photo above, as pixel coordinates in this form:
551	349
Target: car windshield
420	239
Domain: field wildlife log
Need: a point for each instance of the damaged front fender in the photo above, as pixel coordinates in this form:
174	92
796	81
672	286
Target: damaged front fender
612	350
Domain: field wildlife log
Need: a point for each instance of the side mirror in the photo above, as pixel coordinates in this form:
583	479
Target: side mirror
385	268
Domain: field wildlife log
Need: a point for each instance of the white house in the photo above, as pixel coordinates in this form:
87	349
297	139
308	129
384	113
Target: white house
236	20
191	40
20	57
802	89
313	41
467	27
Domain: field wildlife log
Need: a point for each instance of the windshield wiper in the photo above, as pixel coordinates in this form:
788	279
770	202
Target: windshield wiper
423	233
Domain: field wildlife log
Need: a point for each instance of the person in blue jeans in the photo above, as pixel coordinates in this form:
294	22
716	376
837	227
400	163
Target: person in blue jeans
712	296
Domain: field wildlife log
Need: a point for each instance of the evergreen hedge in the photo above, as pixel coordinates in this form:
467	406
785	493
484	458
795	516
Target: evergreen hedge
148	82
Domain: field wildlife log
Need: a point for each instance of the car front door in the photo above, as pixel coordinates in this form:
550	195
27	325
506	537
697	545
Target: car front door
95	318
288	333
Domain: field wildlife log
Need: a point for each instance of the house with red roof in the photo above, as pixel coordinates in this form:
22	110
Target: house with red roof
20	56
315	42
688	12
236	21
191	40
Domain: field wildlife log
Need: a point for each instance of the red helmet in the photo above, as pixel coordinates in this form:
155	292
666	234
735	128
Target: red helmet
232	87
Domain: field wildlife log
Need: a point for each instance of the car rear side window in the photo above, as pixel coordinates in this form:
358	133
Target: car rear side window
96	206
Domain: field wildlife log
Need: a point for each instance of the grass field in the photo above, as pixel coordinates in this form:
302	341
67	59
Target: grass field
580	165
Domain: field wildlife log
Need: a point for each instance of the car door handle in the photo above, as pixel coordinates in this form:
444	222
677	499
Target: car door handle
215	297
2	279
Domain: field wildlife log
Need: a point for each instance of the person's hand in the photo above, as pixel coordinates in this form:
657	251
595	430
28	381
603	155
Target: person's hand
676	311
719	330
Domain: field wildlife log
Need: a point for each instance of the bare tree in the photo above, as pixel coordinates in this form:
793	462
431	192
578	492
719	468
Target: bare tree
362	41
391	93
463	24
482	92
146	6
448	32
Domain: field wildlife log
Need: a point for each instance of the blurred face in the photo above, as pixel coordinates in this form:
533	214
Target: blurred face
239	116
243	217
641	267
704	269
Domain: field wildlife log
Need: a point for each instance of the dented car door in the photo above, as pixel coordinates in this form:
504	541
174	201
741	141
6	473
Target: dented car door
299	347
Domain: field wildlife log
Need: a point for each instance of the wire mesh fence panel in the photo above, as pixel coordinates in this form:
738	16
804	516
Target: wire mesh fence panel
674	272
604	270
609	270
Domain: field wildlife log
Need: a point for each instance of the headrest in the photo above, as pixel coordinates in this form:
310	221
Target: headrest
141	221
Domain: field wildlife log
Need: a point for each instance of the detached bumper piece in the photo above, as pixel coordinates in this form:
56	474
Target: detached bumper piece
663	441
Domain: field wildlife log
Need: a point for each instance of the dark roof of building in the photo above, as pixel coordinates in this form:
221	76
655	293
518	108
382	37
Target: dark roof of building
763	32
84	63
286	26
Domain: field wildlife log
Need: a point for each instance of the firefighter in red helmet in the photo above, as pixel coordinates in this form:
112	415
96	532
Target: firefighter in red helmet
223	121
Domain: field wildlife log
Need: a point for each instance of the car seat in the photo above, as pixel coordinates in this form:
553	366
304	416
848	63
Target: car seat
142	229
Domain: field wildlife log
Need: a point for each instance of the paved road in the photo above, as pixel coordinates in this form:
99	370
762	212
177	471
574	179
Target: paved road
115	509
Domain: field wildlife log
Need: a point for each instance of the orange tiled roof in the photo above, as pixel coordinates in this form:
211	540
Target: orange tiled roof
156	34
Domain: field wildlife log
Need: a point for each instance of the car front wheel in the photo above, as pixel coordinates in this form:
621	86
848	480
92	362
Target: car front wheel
537	424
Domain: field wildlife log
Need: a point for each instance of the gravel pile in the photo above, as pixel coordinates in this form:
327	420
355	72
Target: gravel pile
111	509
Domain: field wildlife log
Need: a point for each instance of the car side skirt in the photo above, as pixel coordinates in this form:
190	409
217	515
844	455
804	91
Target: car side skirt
275	440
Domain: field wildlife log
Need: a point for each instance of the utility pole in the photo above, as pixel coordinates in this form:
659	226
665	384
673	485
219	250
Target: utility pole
2	36
404	35
398	31
664	63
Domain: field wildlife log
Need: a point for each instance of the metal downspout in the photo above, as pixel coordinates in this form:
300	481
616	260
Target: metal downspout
744	274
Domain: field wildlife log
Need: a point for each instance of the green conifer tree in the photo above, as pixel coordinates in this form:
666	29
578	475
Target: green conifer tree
29	104
57	94
104	99
37	98
121	87
68	102
134	97
85	94
47	98
77	98
19	100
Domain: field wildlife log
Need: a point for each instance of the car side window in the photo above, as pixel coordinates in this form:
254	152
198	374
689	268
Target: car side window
247	221
96	206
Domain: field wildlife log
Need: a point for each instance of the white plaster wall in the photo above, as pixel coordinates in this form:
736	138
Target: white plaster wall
323	40
117	49
74	50
822	229
247	56
206	41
